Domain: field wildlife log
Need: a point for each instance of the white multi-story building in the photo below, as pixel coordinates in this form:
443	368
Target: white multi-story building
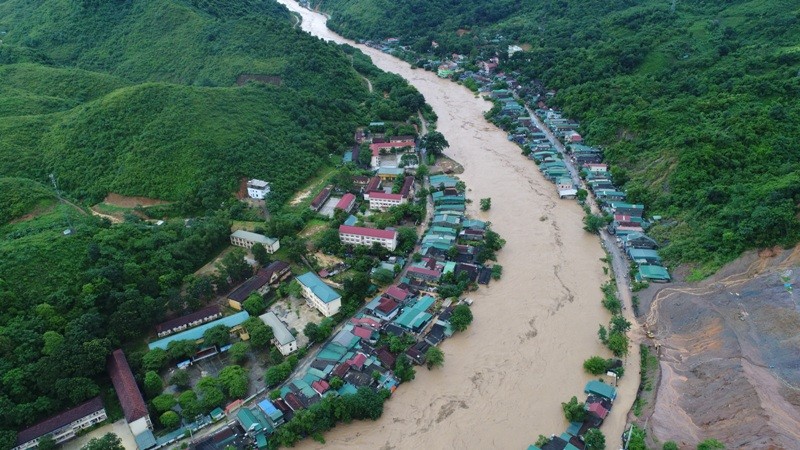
246	239
258	189
64	426
367	236
384	201
319	295
283	338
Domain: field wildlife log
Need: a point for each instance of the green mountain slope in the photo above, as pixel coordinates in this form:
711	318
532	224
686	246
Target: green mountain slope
141	98
151	98
698	107
18	196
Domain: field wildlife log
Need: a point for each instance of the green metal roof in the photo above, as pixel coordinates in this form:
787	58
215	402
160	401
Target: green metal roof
601	389
651	272
642	253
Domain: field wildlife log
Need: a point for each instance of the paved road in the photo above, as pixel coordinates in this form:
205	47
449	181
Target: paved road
619	262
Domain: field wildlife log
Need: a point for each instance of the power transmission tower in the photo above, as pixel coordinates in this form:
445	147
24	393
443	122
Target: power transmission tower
672	8
61	200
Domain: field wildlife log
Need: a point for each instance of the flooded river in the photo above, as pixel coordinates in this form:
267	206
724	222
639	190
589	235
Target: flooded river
504	379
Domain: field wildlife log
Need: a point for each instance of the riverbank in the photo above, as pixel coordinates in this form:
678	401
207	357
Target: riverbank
505	378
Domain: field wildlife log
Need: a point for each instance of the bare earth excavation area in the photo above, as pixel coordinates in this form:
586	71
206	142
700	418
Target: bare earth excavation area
730	355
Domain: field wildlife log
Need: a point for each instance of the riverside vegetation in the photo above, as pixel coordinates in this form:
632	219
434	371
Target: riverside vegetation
694	106
146	99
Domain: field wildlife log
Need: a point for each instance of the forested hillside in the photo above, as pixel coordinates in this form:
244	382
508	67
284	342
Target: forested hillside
141	97
146	98
697	107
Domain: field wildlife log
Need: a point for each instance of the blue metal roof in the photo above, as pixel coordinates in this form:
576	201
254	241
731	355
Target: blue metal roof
318	287
196	333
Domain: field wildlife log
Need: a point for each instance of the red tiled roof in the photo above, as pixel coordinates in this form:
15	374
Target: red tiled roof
374	324
598	410
362	332
340	370
346	202
407	184
127	391
62	419
276	267
385	196
280	404
376	147
386	357
397	293
373	185
293	402
321	197
387	305
364	231
233	405
358	360
211	311
320	386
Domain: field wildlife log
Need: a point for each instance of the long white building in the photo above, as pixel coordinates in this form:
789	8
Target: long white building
283	338
384	201
64	426
350	235
246	239
319	295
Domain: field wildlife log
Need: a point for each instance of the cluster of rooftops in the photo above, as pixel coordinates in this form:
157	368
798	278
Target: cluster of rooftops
600	398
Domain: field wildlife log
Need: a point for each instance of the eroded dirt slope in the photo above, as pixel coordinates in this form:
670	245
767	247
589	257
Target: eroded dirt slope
730	354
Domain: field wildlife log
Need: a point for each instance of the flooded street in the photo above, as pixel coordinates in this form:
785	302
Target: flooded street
504	379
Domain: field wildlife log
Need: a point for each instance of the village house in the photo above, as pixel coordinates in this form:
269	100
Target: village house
407	191
246	239
133	405
383	201
360	182
374	185
639	240
188	321
368	236
64	426
256	284
346	203
282	337
652	273
276	271
258	189
319	295
597	168
321	198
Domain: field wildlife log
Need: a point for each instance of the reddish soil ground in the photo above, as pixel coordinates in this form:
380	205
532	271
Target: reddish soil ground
131	202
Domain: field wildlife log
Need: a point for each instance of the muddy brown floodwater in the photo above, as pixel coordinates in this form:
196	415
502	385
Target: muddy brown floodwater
504	379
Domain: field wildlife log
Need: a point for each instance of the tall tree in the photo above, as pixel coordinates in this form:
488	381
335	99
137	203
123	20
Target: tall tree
260	253
434	143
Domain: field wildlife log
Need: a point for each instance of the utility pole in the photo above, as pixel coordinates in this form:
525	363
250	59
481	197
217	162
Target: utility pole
672	8
69	229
